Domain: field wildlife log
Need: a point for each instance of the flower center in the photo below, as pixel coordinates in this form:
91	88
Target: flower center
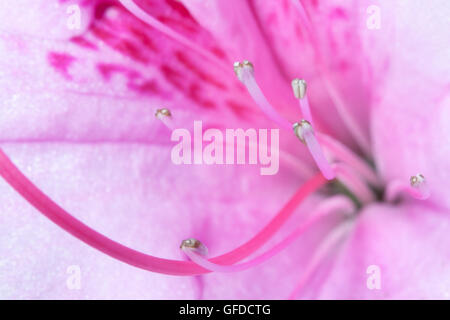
350	174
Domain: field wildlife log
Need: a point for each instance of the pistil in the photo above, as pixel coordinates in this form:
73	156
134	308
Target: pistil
75	227
335	205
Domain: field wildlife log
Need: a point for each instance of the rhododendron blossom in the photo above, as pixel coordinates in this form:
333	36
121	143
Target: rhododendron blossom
95	95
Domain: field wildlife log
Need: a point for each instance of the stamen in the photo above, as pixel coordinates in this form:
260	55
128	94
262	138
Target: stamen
165	116
63	219
131	6
418	188
304	131
341	152
350	123
245	73
299	87
351	180
338	204
322	252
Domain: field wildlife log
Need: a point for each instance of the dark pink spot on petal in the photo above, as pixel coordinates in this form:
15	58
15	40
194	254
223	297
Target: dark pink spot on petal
82	42
143	39
107	70
147	87
177	23
124	46
61	62
219	52
339	13
194	95
179	7
237	107
172	76
196	70
131	50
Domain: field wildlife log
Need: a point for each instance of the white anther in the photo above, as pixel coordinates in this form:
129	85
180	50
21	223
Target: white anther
194	245
299	88
243	68
417	181
300	128
164	112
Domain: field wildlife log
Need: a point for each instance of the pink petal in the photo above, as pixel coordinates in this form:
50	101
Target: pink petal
411	122
134	195
26	18
106	84
408	243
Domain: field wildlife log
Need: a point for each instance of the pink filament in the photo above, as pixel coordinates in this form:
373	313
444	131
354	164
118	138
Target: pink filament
249	81
306	109
338	204
313	146
344	154
166	121
135	258
353	127
396	188
132	7
317	153
329	243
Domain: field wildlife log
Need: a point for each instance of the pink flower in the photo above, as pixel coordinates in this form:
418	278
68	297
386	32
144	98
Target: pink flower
77	118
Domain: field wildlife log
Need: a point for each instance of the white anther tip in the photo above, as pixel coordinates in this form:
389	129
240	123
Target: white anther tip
237	66
299	88
194	245
240	67
417	180
247	64
164	112
300	128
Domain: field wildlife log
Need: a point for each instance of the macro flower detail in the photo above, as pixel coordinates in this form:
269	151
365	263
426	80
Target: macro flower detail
86	119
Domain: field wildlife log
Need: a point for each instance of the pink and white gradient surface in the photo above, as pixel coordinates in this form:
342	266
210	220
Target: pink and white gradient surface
77	118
